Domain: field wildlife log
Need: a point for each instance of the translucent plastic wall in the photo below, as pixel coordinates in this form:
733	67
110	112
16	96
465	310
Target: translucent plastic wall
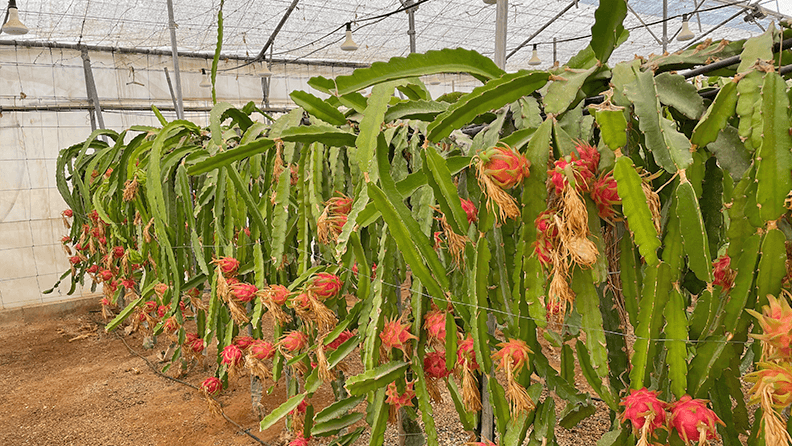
44	108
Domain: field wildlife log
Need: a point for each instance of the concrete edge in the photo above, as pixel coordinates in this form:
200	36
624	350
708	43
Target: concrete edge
32	313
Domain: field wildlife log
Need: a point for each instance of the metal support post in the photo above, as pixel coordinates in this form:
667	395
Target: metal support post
175	56
501	16
411	19
665	26
93	96
170	88
555	51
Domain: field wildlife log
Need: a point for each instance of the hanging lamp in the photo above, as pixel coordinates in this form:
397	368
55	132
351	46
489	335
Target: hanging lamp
13	25
433	80
490	2
349	44
534	60
685	33
263	71
206	82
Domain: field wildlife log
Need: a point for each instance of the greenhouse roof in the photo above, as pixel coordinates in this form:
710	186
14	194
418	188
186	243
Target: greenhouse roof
315	28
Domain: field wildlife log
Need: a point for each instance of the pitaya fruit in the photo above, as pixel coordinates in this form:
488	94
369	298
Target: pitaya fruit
467	354
150	306
605	196
228	265
212	386
118	252
435	365
105	275
642	404
279	294
339	205
512	354
774	380
261	349
243	292
243	342
400	400
434	324
340	339
693	420
294	341
395	334
470	210
325	286
504	166
722	272
231	356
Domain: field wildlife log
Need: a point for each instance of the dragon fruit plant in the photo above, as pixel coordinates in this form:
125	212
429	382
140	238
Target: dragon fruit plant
599	213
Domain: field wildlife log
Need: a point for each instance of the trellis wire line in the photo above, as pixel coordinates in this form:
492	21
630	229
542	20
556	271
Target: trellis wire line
494	310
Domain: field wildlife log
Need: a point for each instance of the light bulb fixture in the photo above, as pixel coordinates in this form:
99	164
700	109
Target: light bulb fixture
534	60
433	80
206	82
263	71
685	33
349	44
490	2
13	25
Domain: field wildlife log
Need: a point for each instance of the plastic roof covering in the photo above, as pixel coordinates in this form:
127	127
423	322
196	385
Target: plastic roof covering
439	24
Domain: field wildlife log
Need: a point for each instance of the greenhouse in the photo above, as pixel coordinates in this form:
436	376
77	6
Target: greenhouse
401	222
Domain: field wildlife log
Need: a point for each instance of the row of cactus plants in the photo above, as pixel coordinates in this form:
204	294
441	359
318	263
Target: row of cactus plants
443	238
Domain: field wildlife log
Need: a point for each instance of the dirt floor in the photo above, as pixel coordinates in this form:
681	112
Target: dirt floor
58	390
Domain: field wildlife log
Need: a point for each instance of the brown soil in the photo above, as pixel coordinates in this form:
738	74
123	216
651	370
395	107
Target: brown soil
93	391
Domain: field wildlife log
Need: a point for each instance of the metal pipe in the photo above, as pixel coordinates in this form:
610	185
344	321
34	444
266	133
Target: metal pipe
643	23
411	20
520	46
501	16
555	51
117	107
90	86
665	26
170	87
723	63
175	56
154	52
275	32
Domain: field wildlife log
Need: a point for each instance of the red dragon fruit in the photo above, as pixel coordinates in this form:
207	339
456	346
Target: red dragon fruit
643	403
68	213
543	248
228	265
340	339
160	289
280	294
231	355
300	440
434	324
397	400
504	166
294	341
105	275
150	306
545	224
128	283
339	205
470	210
722	272
93	269
194	343
161	311
118	252
243	292
693	420
435	365
566	168
171	325
395	334
588	157
243	342
261	349
774	380
325	286
605	196
467	354
212	386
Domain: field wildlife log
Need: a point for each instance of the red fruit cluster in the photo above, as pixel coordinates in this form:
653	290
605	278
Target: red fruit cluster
212	386
231	356
294	341
243	342
776	323
504	166
397	400
340	339
546	237
514	351
194	343
605	195
434	324
243	292
395	335
435	365
466	354
690	418
261	349
228	265
642	404
325	286
581	165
